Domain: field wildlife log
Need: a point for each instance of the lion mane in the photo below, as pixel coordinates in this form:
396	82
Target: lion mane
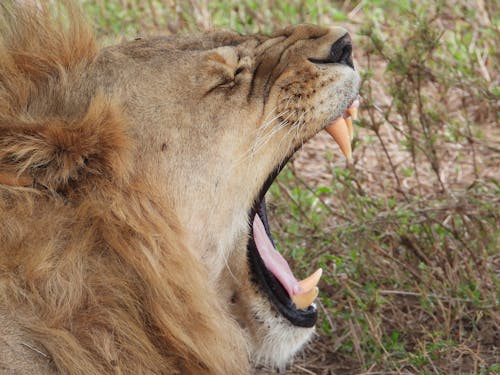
93	266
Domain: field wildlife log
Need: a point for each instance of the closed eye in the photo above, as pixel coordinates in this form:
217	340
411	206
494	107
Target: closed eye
239	70
226	79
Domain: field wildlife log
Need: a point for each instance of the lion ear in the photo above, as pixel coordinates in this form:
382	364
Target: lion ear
224	55
61	154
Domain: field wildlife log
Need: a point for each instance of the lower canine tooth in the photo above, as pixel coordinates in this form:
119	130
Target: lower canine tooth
305	299
311	281
340	133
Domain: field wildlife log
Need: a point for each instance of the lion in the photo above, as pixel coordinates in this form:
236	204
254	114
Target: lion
134	234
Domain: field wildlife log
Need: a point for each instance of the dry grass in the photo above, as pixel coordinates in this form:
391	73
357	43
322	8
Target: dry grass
408	234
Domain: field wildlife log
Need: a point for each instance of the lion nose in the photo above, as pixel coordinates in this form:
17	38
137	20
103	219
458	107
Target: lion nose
341	51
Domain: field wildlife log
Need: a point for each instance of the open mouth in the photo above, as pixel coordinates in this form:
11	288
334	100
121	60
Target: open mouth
292	298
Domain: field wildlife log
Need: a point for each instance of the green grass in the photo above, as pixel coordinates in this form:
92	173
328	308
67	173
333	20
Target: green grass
408	235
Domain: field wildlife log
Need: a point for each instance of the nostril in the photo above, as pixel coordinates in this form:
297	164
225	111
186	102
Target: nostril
341	51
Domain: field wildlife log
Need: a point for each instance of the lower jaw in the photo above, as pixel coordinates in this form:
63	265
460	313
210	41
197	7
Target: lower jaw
269	285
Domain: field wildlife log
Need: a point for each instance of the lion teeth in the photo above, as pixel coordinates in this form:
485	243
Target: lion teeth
305	299
311	281
340	133
308	285
350	129
353	112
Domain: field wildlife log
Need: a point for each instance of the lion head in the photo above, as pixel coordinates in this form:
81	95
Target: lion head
154	156
216	117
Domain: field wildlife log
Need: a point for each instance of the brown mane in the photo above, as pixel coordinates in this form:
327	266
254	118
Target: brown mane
92	265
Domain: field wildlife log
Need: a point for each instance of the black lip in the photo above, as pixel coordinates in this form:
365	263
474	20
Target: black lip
267	282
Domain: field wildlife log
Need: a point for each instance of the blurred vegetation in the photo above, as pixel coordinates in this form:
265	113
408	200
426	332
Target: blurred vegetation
407	235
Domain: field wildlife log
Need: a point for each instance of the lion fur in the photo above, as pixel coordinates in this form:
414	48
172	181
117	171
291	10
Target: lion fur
94	270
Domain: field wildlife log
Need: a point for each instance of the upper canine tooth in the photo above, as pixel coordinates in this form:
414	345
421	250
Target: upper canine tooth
353	111
305	299
311	281
340	133
350	129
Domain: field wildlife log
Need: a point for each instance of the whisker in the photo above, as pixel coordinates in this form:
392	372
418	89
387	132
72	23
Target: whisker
260	138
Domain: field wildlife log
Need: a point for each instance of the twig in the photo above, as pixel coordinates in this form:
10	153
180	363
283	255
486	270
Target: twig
383	253
430	295
393	167
304	369
284	189
327	206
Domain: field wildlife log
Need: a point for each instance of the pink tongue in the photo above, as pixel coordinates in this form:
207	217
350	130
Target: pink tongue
273	260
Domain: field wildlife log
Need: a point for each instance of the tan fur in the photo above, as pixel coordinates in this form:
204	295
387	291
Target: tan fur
69	270
126	178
